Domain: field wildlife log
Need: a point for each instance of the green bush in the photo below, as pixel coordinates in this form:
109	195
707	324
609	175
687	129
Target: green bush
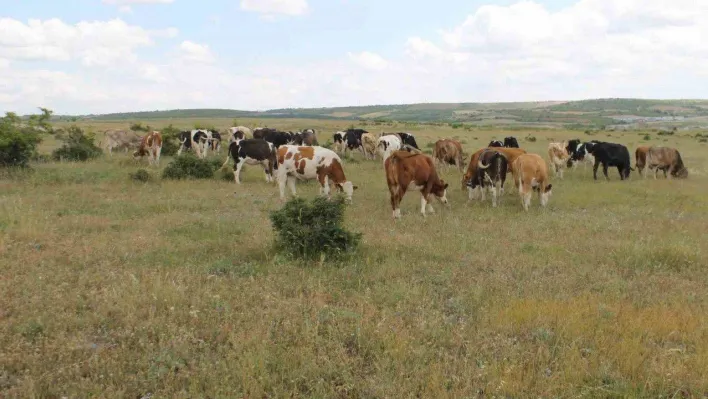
78	146
188	166
17	143
310	229
170	141
141	175
531	139
646	137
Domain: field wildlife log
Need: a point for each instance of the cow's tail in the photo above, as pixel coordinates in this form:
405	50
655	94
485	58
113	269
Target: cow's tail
228	156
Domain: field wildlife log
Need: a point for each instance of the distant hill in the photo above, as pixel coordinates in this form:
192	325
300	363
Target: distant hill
598	112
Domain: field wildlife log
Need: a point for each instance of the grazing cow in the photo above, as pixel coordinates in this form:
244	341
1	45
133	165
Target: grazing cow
120	140
495	143
387	145
409	171
558	156
610	154
408	139
491	171
273	136
511	142
666	159
307	163
353	139
339	142
449	152
640	159
215	143
194	140
150	145
531	174
252	152
240	133
368	144
510	153
306	137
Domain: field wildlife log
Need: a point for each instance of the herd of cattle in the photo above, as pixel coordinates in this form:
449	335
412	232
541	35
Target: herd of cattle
290	156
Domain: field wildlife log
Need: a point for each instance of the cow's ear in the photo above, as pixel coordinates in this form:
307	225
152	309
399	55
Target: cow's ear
446	185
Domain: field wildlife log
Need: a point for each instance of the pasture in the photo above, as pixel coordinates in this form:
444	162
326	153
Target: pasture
113	288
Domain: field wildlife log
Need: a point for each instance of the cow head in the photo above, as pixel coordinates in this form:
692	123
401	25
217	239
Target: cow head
680	173
347	188
440	191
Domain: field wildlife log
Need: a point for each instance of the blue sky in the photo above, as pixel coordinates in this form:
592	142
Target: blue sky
92	56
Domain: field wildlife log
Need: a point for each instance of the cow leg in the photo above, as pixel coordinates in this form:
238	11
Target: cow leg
237	171
429	208
423	203
266	167
656	171
282	180
157	156
324	185
470	193
604	170
291	185
621	172
393	190
594	170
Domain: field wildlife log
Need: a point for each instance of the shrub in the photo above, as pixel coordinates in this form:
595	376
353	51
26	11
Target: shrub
139	127
170	140
141	175
530	138
17	143
313	229
646	137
189	166
78	146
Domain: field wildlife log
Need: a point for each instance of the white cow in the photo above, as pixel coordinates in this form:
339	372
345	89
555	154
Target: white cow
387	145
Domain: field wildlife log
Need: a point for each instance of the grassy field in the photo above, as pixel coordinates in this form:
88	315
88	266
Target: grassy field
112	288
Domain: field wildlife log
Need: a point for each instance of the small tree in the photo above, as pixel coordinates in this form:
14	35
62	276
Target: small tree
310	229
78	146
17	143
170	140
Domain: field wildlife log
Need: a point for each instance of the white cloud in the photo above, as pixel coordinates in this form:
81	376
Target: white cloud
124	2
93	43
196	52
369	60
273	7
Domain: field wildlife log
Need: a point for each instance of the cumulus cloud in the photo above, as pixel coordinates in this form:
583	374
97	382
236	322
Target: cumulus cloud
368	60
196	52
274	7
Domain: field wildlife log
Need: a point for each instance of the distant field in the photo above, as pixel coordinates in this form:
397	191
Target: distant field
117	289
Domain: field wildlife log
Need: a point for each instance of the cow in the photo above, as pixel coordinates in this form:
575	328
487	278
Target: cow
252	152
511	142
120	140
410	148
307	163
352	138
240	133
387	144
530	174
306	137
274	136
510	153
409	171
194	140
611	154
580	152
495	143
666	159
339	141
368	144
408	139
150	145
449	152
558	156
491	170
640	159
215	142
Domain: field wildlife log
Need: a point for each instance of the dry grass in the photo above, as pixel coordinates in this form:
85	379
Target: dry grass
119	289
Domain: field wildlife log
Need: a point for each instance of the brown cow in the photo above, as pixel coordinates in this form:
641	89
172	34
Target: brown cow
150	145
559	156
531	174
406	170
448	152
640	156
666	159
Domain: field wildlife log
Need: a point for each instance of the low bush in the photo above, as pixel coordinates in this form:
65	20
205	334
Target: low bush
188	166
531	139
170	140
141	175
17	143
311	229
78	146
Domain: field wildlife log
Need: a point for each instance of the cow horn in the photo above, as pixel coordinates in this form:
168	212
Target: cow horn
480	165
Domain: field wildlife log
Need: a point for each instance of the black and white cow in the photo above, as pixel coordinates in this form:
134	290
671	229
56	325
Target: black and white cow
215	142
610	154
491	171
495	143
338	140
252	152
353	139
408	139
580	152
511	142
193	140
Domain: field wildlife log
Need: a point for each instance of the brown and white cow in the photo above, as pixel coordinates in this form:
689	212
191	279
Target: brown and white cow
410	171
558	156
448	152
640	159
368	144
150	145
668	160
308	163
531	174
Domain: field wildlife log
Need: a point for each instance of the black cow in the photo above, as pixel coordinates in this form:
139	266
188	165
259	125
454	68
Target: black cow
260	132
252	152
192	140
274	136
353	138
495	143
491	171
511	142
610	154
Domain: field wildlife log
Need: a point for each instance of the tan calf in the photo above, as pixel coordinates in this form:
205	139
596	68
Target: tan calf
368	143
640	156
558	156
448	152
531	174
